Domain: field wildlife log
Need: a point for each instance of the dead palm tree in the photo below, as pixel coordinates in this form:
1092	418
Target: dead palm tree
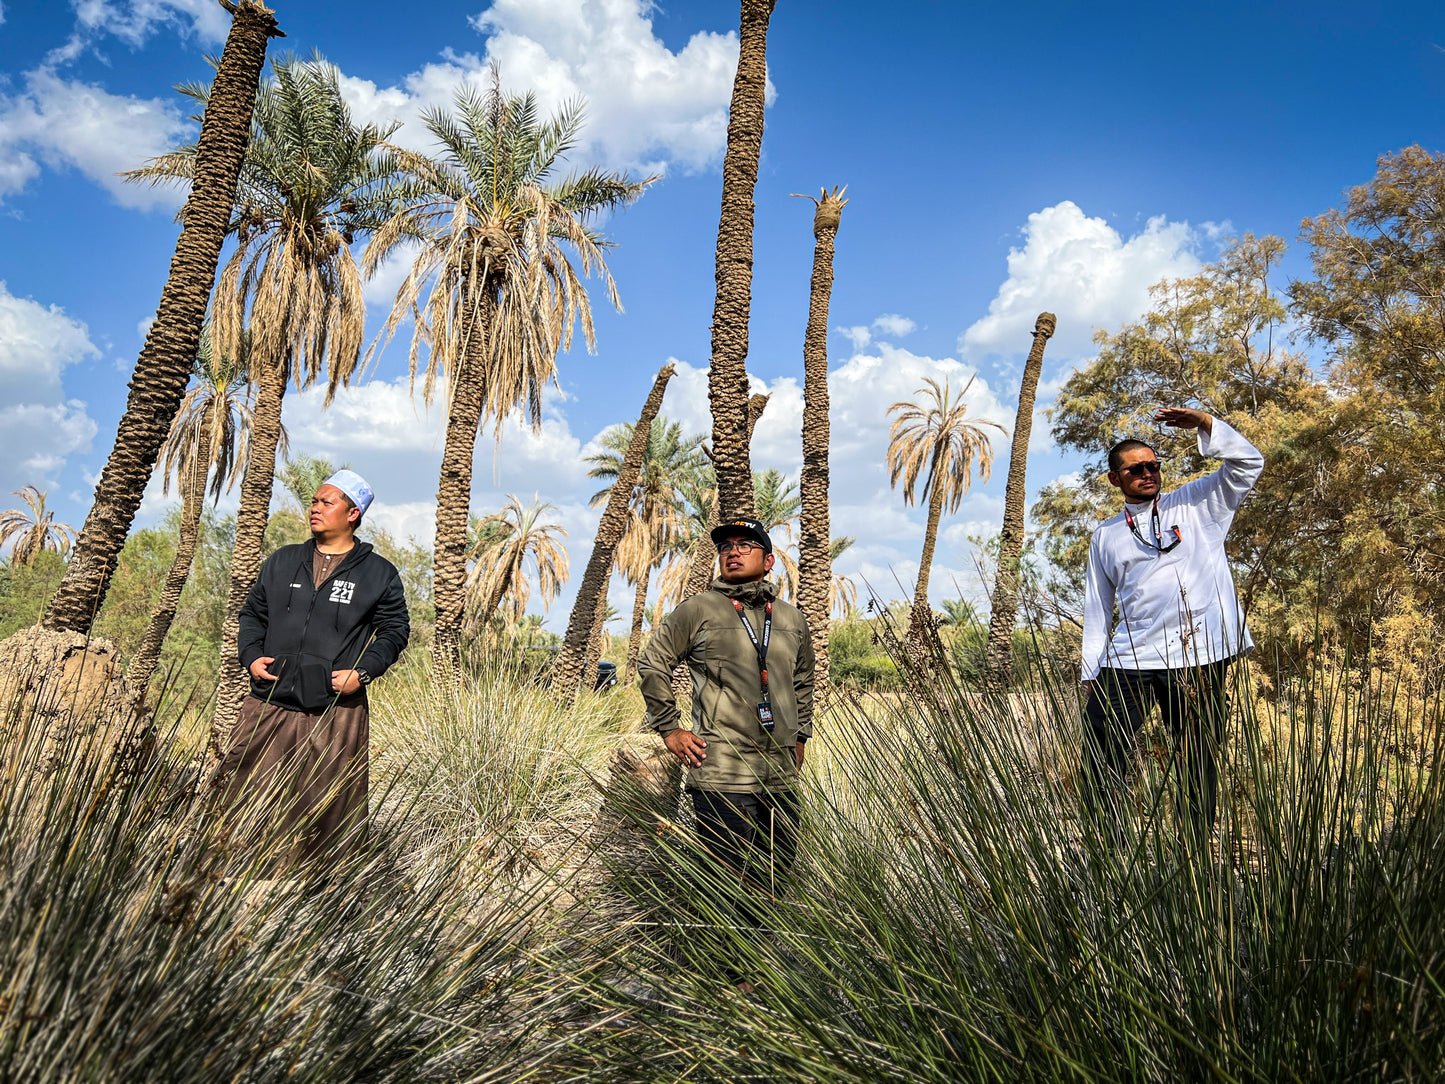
998	657
164	366
312	181
209	439
727	374
507	541
935	441
34	531
493	231
670	462
815	564
571	661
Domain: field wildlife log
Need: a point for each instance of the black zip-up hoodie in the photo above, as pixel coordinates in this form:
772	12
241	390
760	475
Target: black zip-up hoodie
356	619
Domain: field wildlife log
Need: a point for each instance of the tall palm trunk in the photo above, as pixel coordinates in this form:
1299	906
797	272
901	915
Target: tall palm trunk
251	518
634	638
921	618
454	494
193	502
164	367
815	550
727	375
594	641
567	672
998	659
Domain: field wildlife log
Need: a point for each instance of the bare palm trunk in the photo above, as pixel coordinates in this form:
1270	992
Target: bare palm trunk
727	376
815	550
494	600
232	681
454	496
567	672
921	619
164	366
193	501
634	638
594	642
998	660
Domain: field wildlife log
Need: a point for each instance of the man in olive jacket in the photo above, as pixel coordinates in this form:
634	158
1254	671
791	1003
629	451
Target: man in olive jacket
751	659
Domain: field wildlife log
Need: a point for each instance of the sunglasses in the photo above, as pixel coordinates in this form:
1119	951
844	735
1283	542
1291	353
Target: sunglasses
1138	470
741	545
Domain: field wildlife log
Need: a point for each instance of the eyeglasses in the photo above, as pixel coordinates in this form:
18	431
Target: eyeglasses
741	545
1138	470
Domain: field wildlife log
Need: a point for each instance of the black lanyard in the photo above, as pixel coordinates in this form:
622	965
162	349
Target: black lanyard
760	648
1154	529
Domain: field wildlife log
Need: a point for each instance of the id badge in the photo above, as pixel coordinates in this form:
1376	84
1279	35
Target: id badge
765	716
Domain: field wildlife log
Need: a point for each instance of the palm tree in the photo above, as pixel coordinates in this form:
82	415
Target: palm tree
727	374
815	565
998	657
164	366
505	542
311	181
934	440
842	591
35	531
209	438
571	661
491	226
670	462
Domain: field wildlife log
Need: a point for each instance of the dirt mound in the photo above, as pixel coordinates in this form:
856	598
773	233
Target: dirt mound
61	688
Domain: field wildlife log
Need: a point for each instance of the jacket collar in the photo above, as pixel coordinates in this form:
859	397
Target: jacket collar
754	593
356	553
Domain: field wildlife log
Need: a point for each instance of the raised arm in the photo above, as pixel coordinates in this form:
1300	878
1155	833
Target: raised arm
1221	492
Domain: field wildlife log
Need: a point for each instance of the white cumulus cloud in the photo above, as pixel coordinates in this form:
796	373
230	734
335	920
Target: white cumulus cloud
890	323
1084	271
39	426
648	108
134	21
69	124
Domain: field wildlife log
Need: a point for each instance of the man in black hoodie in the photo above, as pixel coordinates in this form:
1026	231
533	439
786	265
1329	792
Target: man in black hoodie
322	621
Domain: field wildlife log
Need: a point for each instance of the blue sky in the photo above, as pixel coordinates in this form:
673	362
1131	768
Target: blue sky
1000	160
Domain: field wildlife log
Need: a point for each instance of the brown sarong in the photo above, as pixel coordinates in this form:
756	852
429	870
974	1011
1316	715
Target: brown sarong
309	770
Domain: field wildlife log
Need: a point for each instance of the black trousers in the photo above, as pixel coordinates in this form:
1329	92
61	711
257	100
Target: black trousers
749	843
1194	708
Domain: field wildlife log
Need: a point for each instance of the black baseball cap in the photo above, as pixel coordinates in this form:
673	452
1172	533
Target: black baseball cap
749	528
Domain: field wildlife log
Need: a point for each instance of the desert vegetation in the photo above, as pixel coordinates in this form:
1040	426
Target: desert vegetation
528	903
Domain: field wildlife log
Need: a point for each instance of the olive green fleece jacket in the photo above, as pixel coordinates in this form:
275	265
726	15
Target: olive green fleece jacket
705	631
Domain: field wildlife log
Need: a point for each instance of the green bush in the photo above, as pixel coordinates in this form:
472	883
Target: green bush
856	661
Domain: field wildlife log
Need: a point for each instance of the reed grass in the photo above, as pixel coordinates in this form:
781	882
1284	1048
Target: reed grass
952	918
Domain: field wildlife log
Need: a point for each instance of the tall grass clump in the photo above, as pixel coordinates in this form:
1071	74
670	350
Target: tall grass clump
952	918
145	935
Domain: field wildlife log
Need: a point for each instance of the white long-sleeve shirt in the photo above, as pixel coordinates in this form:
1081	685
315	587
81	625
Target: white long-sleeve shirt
1179	608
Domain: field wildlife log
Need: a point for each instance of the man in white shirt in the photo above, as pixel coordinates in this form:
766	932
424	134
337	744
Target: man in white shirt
1161	561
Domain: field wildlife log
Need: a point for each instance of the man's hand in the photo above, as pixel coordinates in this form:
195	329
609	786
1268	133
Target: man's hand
799	751
344	681
686	746
1185	418
259	671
